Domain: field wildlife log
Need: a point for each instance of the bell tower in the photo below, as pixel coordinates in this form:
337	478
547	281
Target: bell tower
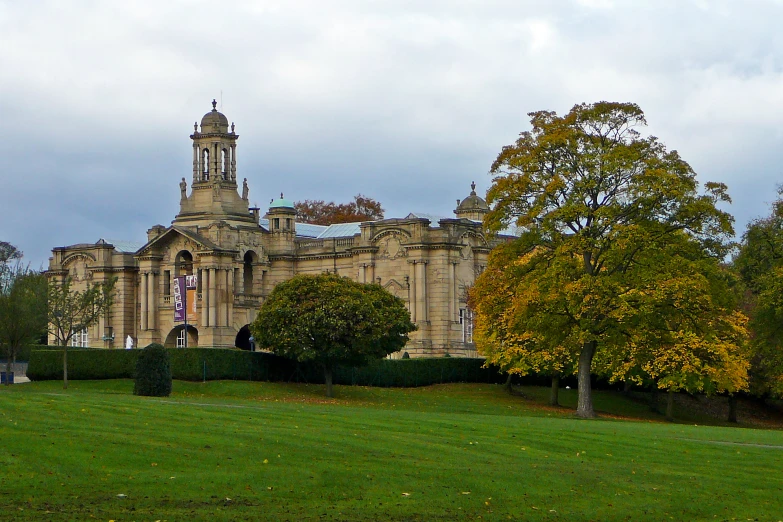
214	149
214	195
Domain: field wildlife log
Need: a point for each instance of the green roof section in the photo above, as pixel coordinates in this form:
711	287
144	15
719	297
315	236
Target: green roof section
281	203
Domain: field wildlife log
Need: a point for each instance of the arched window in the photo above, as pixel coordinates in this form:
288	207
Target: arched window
247	280
183	264
205	164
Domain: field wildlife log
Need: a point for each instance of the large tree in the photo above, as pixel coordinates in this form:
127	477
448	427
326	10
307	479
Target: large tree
509	314
22	311
70	311
320	212
329	320
760	263
592	196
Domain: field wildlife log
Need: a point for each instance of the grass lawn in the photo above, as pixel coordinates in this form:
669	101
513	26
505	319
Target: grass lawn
266	451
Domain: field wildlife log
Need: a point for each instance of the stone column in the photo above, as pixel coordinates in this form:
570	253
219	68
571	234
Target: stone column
412	298
205	297
234	161
363	273
212	297
421	280
229	294
152	306
195	163
143	291
452	291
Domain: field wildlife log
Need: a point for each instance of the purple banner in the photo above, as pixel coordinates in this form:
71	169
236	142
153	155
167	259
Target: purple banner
179	299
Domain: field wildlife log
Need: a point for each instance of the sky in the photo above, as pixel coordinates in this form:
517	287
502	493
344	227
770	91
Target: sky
404	101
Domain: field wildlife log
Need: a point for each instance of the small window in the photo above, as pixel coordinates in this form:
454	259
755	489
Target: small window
81	339
466	320
166	282
277	223
181	339
288	223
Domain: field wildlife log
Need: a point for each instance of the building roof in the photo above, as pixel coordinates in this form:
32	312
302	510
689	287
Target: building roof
309	230
340	230
434	219
121	245
281	203
302	229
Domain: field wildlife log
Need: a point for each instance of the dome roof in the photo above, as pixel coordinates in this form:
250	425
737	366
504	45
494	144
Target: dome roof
473	201
214	121
281	203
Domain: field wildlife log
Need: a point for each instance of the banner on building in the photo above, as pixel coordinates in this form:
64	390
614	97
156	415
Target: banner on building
185	297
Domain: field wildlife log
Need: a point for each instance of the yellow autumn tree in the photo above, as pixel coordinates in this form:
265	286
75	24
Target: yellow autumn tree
593	197
510	307
682	327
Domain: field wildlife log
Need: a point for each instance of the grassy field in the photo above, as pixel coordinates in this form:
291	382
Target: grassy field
264	451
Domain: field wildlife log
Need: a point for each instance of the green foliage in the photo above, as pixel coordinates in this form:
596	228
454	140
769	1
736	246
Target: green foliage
153	372
592	197
84	363
196	364
329	320
22	310
760	263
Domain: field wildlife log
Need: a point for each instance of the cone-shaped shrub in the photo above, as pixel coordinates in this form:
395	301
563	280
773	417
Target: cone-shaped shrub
153	372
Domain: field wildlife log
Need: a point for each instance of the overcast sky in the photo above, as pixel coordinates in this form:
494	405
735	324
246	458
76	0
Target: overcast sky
401	100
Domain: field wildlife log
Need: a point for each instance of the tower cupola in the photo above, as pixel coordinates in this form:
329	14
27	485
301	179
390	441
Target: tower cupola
472	207
214	149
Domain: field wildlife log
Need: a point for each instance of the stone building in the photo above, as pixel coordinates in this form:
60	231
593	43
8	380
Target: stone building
240	255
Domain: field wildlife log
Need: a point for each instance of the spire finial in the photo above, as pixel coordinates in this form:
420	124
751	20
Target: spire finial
195	126
473	189
214	104
281	195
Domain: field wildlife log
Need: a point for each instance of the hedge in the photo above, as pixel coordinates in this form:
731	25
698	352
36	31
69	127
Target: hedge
197	364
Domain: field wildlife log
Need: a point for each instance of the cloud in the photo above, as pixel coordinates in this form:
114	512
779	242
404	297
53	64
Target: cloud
405	101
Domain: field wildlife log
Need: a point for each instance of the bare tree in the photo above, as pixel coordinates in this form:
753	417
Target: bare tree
72	311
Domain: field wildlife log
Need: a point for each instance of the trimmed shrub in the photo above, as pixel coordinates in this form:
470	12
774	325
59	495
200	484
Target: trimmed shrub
153	372
83	364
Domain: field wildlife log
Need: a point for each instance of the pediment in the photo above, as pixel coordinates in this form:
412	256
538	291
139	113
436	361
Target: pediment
396	288
190	241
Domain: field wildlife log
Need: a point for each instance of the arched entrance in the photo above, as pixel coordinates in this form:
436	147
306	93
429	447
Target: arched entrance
183	263
176	337
244	339
250	259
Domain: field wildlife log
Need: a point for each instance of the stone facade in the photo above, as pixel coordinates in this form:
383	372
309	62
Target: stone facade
240	256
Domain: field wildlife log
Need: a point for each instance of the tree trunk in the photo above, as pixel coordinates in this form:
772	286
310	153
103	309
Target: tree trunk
509	389
626	387
654	398
670	406
584	407
328	381
65	367
554	391
8	369
732	408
